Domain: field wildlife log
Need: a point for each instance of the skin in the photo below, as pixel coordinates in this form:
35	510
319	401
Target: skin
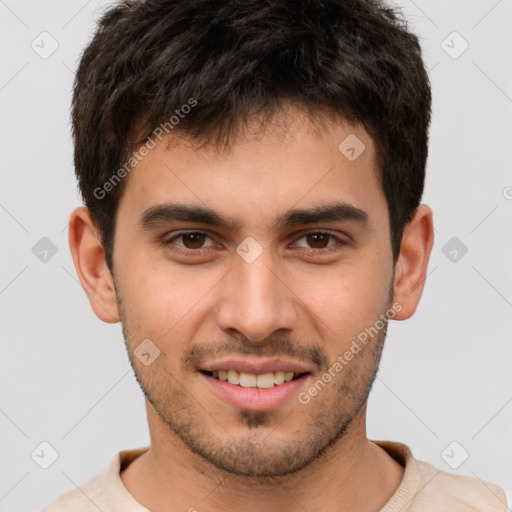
292	301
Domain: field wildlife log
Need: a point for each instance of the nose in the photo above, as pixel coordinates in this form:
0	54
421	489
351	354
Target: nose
256	300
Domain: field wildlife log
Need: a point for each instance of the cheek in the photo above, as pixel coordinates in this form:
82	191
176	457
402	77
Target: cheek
165	299
152	296
158	302
343	301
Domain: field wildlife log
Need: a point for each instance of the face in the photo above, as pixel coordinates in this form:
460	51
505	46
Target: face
251	270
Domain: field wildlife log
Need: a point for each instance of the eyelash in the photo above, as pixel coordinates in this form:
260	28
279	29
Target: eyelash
334	248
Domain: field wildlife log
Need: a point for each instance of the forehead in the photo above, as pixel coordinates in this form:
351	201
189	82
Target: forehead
290	163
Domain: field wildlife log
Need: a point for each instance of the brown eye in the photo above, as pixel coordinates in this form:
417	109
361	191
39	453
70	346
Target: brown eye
320	243
318	240
193	240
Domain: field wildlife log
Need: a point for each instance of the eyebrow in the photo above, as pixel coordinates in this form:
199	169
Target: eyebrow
171	212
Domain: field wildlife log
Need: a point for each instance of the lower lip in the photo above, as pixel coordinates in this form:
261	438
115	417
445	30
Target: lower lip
255	399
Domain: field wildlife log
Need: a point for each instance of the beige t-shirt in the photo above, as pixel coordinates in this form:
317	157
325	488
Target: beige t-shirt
424	488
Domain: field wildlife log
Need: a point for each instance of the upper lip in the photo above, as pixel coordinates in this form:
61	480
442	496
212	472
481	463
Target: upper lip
256	365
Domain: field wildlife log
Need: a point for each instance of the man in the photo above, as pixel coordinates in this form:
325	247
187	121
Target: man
252	173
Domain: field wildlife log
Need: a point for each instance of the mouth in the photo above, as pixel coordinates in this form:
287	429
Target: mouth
266	380
254	392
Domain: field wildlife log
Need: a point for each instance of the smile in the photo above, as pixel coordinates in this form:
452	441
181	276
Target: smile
250	380
247	391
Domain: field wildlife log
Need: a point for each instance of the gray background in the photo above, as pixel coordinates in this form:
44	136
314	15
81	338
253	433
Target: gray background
445	374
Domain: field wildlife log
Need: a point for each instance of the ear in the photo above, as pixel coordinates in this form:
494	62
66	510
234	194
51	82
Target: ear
412	263
89	259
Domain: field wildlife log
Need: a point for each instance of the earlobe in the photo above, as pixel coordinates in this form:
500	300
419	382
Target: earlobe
89	259
411	266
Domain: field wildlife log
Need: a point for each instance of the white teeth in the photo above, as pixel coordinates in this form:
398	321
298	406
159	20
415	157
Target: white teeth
265	380
247	380
278	377
251	380
233	377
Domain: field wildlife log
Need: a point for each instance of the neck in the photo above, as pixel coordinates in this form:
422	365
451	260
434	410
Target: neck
353	473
